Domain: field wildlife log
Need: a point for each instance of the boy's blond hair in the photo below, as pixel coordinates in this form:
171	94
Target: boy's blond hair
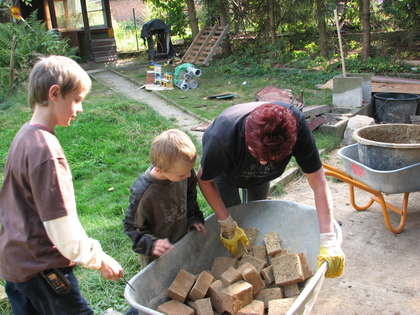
55	70
172	148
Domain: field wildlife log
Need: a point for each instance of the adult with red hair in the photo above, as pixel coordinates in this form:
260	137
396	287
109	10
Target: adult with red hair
247	146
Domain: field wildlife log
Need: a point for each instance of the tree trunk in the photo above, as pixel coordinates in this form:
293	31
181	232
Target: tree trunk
192	17
272	22
224	18
366	28
322	29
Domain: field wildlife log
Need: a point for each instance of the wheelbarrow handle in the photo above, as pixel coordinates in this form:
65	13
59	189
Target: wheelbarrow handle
305	301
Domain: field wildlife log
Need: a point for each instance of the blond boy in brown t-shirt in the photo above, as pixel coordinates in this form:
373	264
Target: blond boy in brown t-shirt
41	238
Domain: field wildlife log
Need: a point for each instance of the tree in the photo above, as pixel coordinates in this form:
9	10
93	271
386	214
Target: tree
366	28
322	28
172	12
272	21
192	18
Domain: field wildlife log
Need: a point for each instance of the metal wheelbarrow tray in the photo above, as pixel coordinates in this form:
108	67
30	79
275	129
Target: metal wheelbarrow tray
377	182
296	225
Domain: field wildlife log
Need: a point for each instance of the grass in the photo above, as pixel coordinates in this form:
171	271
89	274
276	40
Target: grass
107	147
214	81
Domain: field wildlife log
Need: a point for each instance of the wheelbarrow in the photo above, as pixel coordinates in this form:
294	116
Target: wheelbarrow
298	231
403	180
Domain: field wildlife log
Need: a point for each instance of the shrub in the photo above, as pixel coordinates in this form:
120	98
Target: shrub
31	39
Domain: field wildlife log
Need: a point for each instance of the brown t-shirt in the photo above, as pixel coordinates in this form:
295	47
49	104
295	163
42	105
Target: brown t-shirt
37	187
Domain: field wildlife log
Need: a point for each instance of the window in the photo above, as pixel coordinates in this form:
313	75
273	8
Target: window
69	14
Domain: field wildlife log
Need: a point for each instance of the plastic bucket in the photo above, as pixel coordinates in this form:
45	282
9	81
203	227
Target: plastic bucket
395	107
388	146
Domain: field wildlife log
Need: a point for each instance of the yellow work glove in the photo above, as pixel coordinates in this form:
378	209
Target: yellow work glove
331	252
230	234
228	227
232	244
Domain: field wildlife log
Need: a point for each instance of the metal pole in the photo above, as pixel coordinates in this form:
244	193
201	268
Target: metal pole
135	27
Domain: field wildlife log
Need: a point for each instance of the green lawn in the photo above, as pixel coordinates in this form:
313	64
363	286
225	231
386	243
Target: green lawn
213	81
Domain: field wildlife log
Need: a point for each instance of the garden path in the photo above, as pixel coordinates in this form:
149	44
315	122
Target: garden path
183	119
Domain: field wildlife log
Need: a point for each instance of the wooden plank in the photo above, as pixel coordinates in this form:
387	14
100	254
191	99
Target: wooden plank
396	88
315	110
194	43
206	41
205	44
216	45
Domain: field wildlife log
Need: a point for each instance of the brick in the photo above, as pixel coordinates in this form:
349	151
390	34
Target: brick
269	294
282	253
268	275
201	306
260	252
237	296
280	307
291	290
306	266
259	264
230	276
201	286
215	294
221	264
241	250
272	243
254	308
252	234
174	307
181	286
252	276
287	270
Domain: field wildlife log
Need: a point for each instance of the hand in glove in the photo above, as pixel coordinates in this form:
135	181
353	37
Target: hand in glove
228	227
232	243
332	254
230	234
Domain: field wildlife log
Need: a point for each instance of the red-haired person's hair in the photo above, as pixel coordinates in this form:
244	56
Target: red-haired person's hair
270	132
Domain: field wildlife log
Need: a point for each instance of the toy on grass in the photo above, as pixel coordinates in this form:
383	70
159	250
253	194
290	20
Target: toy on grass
184	74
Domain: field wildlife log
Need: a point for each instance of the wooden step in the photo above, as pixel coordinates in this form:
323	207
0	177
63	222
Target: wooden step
104	50
205	44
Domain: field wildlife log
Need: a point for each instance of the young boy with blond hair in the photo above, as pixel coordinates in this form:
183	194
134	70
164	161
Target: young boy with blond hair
163	203
41	238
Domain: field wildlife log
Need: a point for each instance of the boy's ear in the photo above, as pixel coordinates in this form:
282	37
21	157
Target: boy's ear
54	92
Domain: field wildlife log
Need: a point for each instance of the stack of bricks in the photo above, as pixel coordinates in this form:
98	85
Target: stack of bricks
259	279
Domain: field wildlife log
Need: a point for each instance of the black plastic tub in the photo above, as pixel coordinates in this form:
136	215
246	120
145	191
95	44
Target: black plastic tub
395	107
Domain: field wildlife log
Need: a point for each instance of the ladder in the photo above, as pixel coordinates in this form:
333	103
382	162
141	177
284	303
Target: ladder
205	44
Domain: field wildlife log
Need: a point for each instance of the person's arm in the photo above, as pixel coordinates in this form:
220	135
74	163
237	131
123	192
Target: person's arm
70	238
230	233
212	195
195	216
323	199
142	239
330	250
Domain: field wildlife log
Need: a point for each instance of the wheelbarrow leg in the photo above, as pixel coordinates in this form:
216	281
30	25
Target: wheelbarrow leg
376	196
402	212
353	200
